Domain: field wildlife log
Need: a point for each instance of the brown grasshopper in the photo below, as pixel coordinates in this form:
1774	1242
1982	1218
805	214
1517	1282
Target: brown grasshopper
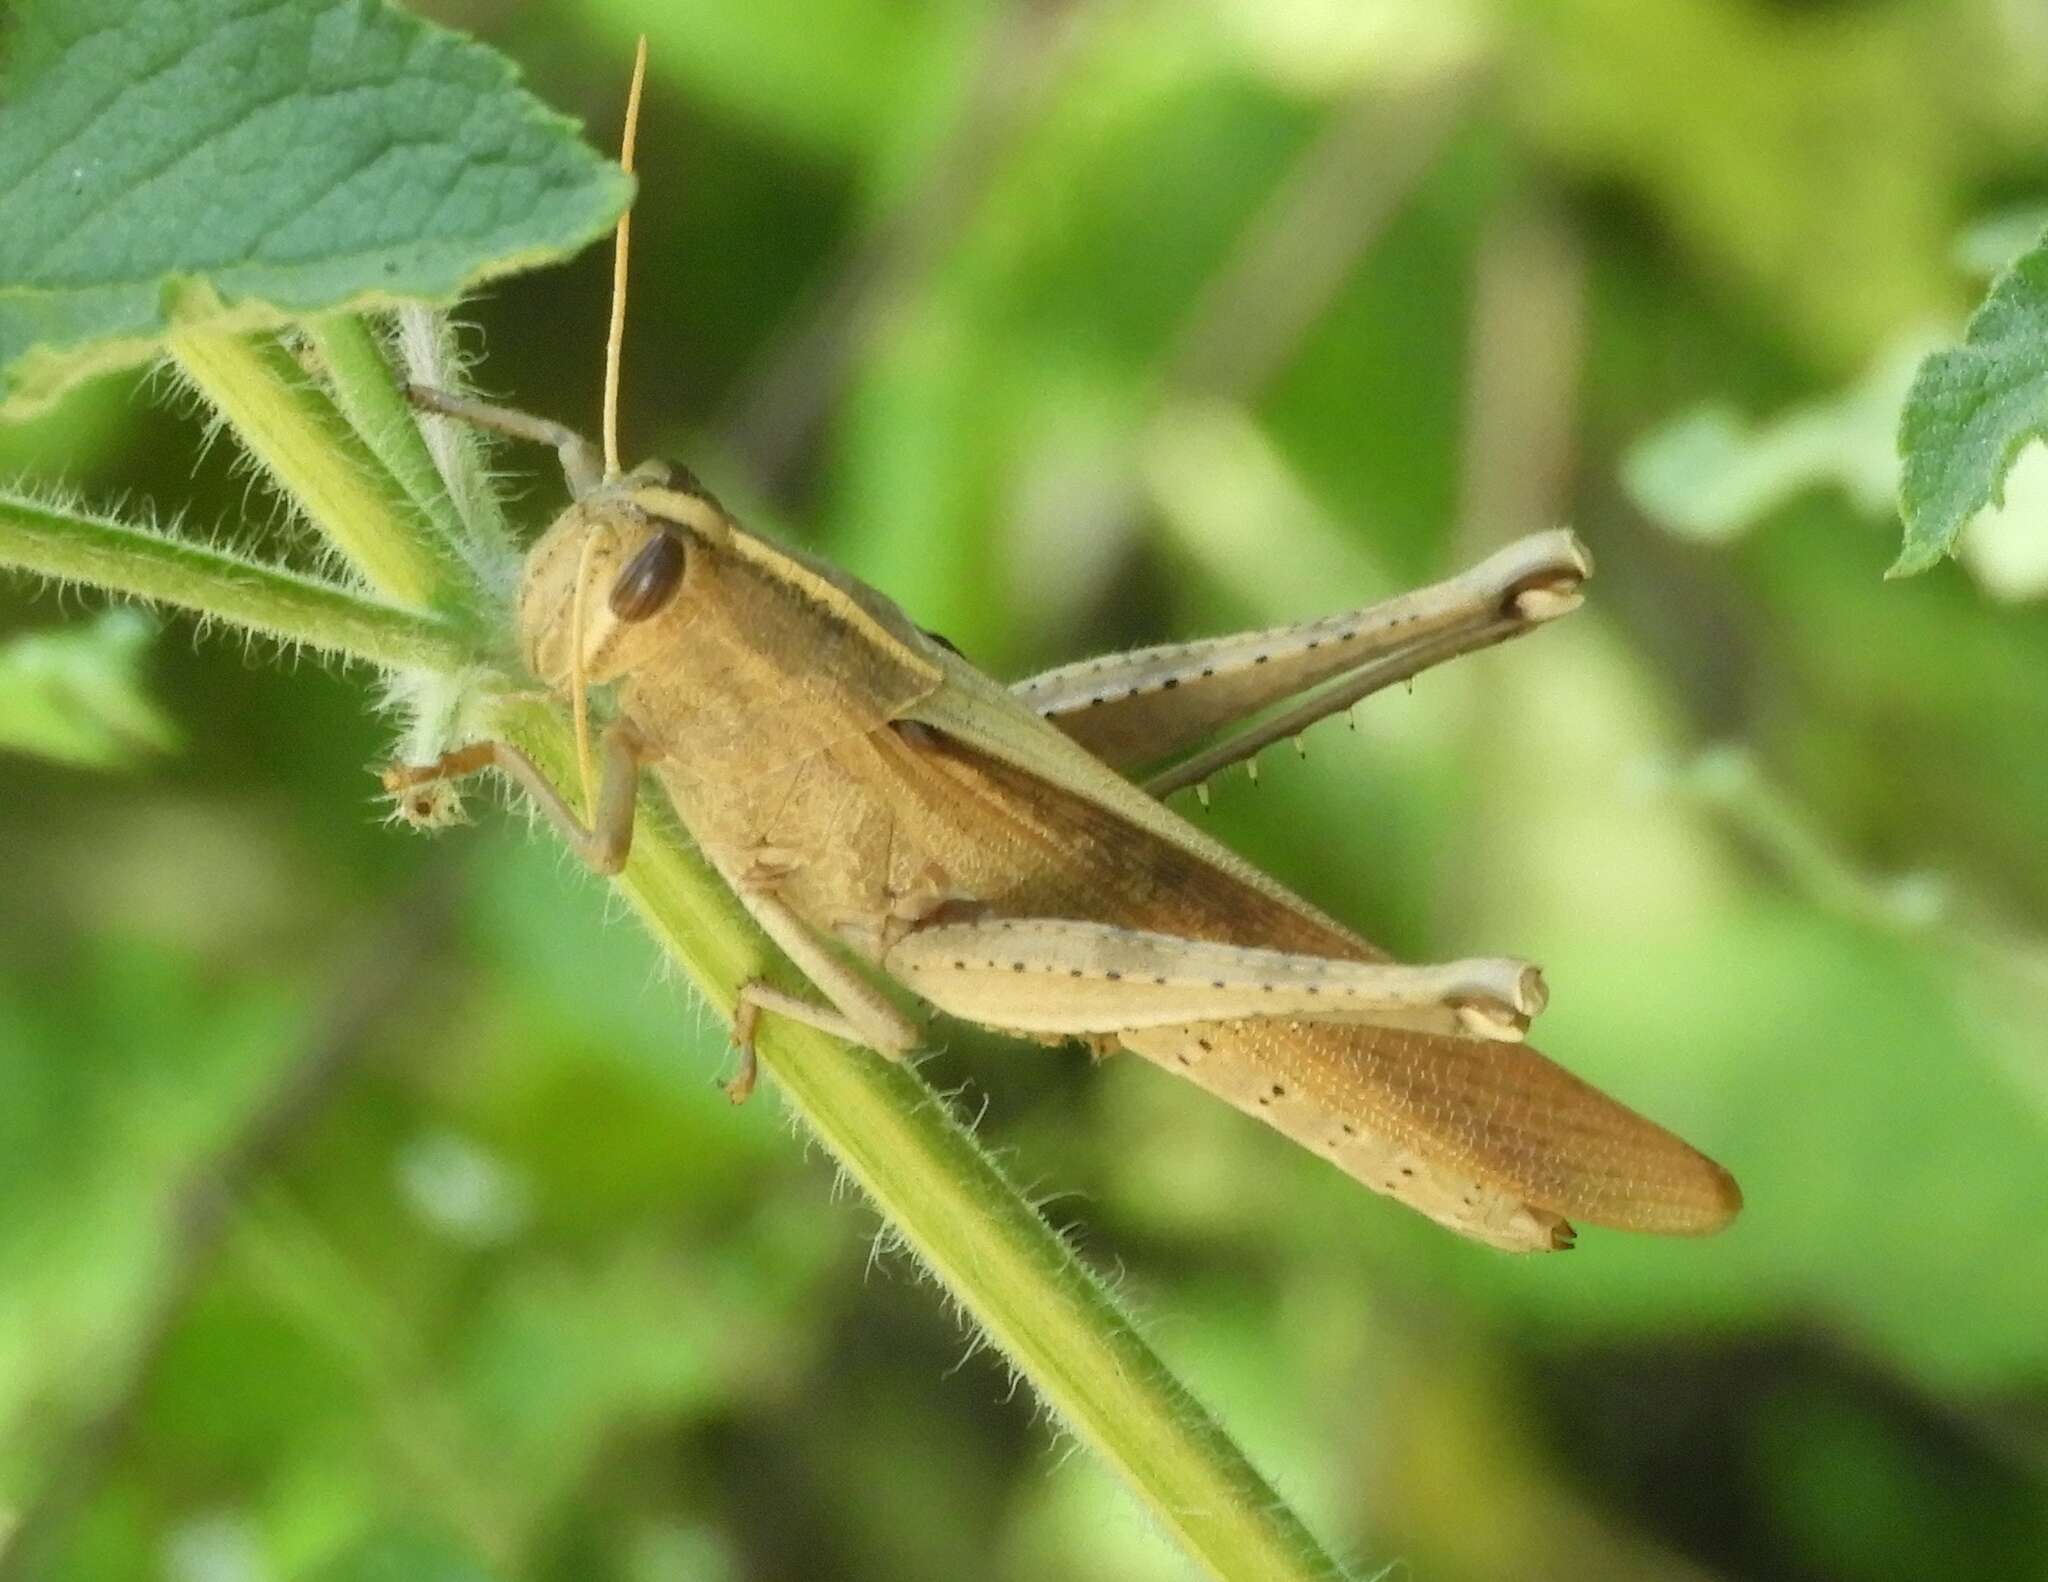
880	805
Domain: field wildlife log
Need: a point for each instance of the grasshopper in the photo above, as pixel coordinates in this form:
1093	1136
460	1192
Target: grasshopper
884	809
878	804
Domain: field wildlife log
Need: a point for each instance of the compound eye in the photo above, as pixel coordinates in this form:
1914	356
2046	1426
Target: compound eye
649	580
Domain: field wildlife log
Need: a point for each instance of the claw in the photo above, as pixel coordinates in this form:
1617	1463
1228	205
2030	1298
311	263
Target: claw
1551	585
739	1087
1504	1011
423	795
429	807
1547	597
1492	1021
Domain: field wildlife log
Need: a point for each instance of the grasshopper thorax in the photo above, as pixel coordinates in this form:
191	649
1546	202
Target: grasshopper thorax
731	655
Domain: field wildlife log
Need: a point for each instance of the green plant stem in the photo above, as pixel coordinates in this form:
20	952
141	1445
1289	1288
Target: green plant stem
1015	1277
307	445
368	397
936	1187
427	350
69	545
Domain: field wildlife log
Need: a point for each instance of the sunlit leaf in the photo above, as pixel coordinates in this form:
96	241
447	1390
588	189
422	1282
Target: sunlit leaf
1971	411
1711	475
237	163
76	694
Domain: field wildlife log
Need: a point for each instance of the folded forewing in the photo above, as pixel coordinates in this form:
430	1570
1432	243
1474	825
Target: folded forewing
1488	1138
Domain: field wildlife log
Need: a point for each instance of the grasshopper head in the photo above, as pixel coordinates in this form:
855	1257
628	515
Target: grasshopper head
625	553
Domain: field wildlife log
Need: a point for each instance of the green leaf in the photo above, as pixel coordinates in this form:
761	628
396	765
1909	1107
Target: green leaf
76	695
234	164
1970	413
404	1554
1711	475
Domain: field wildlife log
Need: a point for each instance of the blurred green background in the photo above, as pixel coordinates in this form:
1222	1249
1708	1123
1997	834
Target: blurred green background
368	1208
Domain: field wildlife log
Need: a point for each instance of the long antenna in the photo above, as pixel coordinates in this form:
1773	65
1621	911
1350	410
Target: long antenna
615	340
614	345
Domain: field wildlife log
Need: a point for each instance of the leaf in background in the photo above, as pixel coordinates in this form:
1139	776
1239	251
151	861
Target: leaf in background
1711	476
404	1554
1319	49
1971	411
1998	240
76	695
268	159
785	65
1774	145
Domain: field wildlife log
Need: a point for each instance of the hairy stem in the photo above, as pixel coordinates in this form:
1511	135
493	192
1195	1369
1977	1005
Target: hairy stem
1013	1275
368	397
317	458
123	557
